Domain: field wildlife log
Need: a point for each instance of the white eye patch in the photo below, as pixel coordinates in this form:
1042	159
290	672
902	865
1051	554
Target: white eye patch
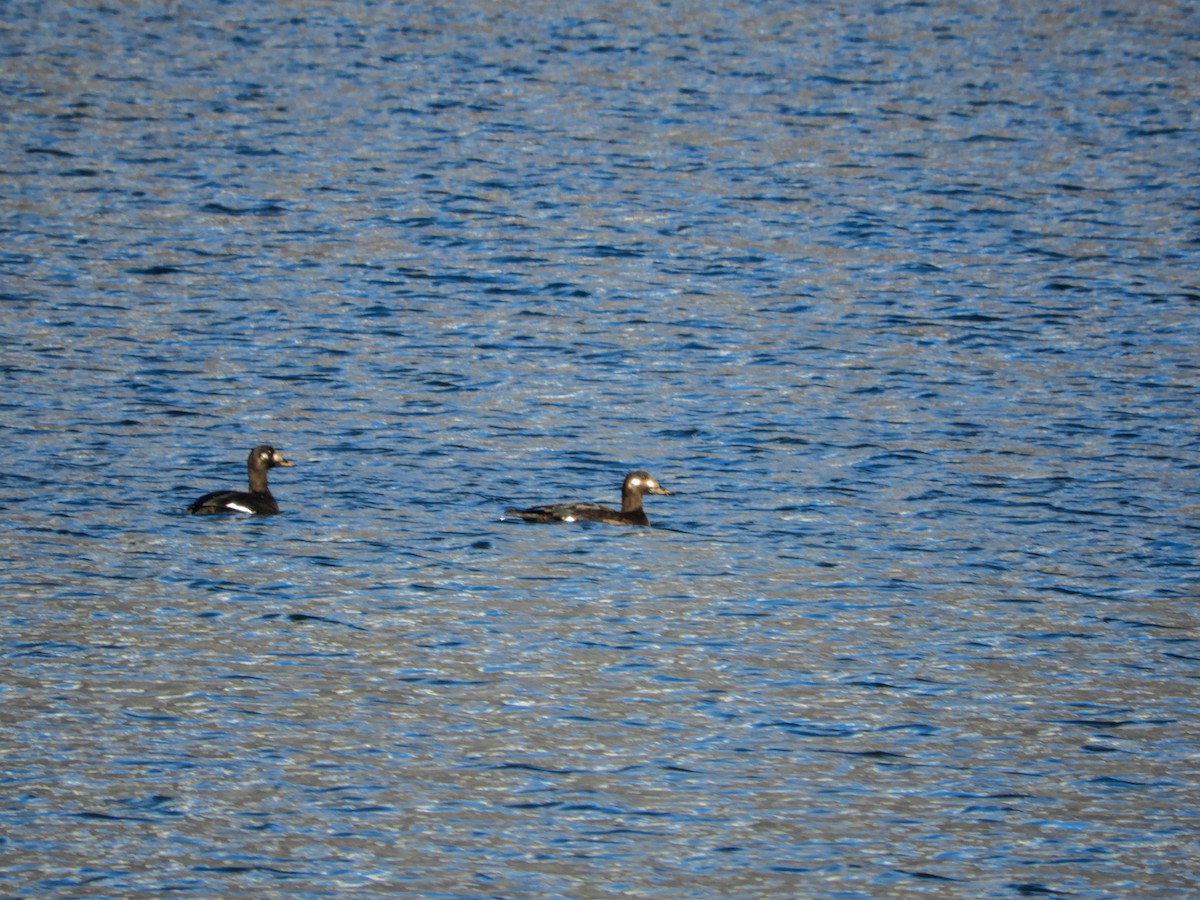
636	482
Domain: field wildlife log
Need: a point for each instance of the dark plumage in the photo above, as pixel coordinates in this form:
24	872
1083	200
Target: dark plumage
636	486
258	500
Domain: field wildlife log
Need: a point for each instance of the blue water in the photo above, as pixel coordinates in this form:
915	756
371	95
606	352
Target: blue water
898	299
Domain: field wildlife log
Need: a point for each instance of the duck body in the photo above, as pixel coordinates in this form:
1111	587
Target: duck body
254	503
258	500
636	485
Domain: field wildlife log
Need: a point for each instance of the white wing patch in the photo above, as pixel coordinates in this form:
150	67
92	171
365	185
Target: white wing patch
239	507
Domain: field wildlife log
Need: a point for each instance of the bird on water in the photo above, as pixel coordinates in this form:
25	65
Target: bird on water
258	500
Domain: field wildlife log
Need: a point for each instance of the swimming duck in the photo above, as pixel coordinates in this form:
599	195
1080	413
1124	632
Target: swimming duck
258	500
637	485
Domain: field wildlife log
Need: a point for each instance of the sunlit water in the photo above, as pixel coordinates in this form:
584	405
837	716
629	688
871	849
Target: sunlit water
899	300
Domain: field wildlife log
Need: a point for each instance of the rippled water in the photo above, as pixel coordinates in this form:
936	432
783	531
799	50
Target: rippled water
898	299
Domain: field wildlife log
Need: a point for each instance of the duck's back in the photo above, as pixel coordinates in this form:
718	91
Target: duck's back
257	504
579	512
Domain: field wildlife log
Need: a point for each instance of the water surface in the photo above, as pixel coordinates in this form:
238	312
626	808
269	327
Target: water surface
899	301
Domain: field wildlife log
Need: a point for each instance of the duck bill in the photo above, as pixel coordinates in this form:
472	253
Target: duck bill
278	460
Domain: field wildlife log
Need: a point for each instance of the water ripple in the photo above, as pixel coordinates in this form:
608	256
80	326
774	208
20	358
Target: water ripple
910	342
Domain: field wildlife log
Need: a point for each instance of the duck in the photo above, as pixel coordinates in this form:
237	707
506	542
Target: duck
636	485
258	500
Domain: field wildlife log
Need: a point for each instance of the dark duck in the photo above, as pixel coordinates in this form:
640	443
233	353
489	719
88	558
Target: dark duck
636	486
258	500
